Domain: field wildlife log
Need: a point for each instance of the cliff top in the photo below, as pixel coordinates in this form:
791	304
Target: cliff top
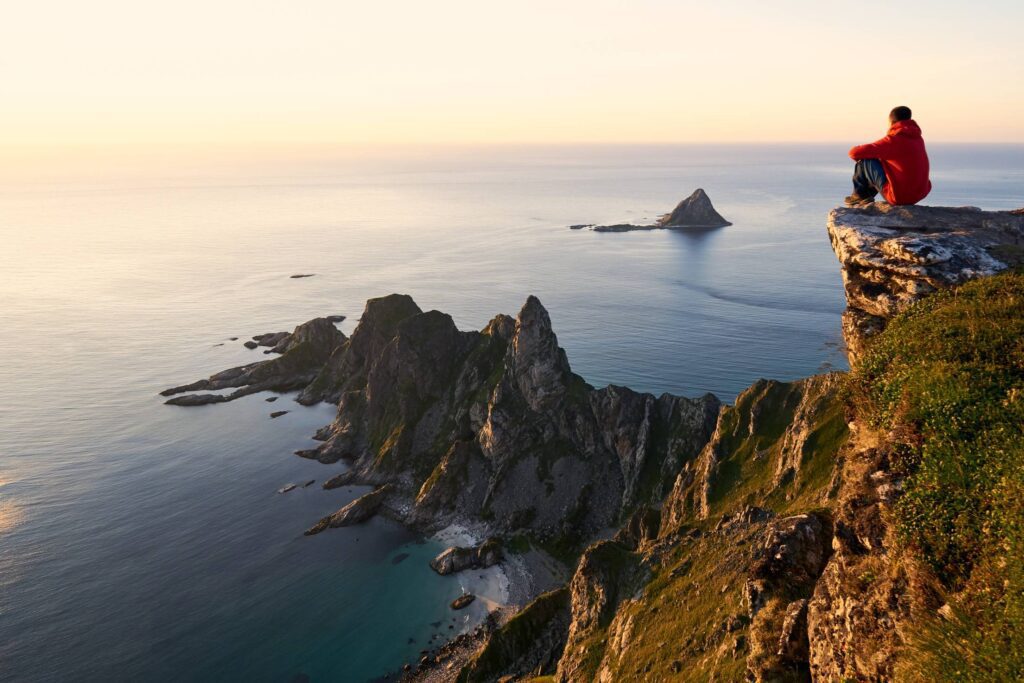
891	256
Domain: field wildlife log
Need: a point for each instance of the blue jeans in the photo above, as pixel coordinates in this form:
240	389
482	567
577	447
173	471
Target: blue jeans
868	178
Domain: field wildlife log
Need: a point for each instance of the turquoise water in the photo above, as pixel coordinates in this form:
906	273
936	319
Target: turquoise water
144	542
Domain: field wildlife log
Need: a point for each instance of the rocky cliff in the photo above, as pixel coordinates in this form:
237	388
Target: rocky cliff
892	256
843	528
491	426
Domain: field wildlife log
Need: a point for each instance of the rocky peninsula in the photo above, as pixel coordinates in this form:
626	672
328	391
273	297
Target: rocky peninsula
794	535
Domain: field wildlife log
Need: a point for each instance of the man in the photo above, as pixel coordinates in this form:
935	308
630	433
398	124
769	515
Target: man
896	165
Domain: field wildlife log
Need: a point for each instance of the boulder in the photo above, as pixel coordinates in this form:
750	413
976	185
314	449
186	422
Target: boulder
456	559
463	601
271	338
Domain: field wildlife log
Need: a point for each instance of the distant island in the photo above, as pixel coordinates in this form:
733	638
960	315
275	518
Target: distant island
693	213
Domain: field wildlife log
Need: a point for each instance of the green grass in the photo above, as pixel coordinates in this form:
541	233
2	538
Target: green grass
749	456
679	614
946	382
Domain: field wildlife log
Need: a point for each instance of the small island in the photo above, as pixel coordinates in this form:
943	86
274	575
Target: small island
693	213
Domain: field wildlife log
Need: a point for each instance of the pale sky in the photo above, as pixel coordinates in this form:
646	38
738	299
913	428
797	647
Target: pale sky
101	72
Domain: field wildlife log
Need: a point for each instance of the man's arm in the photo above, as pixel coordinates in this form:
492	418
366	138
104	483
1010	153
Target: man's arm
875	150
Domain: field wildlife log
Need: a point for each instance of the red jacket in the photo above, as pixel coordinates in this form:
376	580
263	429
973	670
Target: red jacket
905	161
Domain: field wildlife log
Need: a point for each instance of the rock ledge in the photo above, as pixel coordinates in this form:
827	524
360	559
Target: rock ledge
892	256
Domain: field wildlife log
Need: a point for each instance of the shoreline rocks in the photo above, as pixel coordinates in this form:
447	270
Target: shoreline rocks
456	559
463	601
359	510
304	353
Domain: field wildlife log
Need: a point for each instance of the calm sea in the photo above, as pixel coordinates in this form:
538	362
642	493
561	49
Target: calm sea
144	542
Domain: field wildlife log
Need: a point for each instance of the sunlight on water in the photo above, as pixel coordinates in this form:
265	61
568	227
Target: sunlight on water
10	515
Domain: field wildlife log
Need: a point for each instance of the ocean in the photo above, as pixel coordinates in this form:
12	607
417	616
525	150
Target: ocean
146	542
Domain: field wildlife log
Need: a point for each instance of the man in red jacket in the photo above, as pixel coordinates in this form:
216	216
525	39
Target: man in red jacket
896	165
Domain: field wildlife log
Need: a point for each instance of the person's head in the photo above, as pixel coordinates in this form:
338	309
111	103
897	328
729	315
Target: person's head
899	114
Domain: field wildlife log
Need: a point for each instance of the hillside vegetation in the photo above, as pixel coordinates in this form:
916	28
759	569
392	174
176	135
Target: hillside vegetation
945	383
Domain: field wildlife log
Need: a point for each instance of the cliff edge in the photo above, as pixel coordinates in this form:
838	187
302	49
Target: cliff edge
892	256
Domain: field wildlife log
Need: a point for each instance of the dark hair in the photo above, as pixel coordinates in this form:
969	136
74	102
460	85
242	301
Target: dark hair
899	114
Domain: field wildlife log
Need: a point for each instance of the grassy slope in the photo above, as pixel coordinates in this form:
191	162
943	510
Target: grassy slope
946	381
689	617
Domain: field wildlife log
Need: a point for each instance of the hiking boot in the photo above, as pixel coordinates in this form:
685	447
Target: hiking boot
855	200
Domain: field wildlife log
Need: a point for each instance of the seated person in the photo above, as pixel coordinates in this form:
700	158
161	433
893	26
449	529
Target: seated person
896	165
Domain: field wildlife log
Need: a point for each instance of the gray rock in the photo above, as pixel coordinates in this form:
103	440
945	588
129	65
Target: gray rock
456	559
304	353
481	423
356	512
892	256
693	213
271	338
337	481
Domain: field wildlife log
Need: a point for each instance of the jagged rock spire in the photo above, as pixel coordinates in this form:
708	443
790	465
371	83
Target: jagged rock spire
539	366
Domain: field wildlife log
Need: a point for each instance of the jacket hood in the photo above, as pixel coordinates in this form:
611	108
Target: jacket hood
908	128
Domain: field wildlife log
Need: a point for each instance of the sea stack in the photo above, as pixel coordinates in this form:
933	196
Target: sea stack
695	211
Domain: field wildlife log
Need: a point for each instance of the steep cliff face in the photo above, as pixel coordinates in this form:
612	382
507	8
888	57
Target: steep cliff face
880	593
719	590
777	446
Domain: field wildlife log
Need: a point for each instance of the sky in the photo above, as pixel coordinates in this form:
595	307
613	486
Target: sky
247	72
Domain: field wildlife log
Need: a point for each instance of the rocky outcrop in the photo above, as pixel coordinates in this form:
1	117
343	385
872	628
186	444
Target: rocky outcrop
874	593
607	574
456	559
277	341
859	617
714	587
304	354
529	644
778	441
891	256
693	213
782	578
463	601
356	512
490	425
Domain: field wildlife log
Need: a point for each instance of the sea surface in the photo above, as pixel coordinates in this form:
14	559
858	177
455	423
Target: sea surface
146	542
